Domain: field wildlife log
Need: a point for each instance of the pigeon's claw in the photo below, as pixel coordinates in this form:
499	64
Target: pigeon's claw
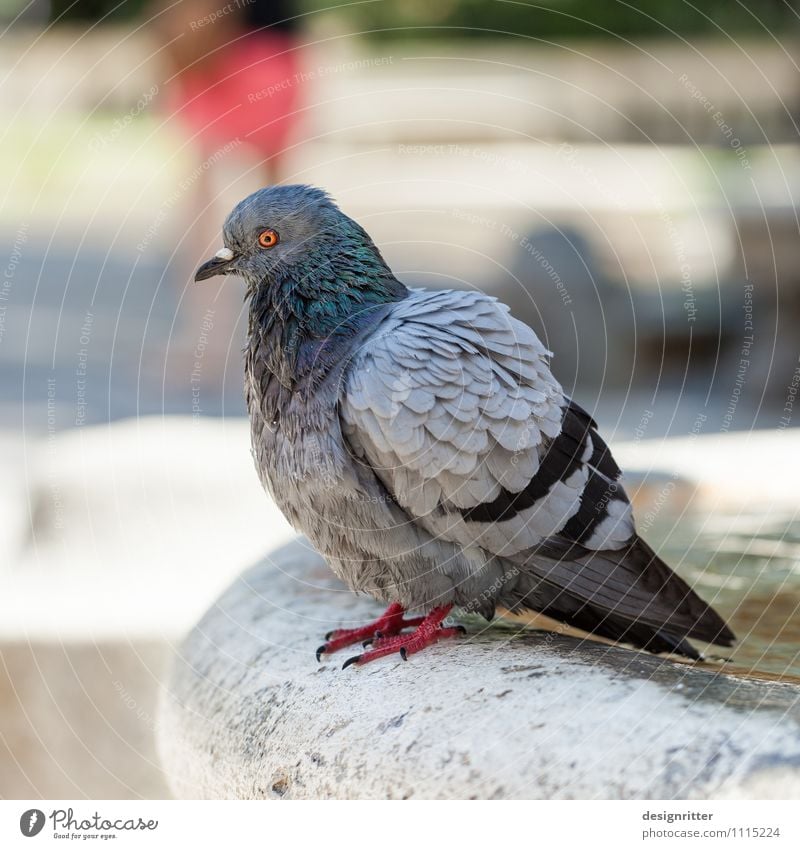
391	622
430	631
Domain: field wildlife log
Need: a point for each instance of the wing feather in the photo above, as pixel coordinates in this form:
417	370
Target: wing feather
454	404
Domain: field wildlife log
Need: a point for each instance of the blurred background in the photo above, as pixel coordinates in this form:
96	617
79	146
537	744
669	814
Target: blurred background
625	178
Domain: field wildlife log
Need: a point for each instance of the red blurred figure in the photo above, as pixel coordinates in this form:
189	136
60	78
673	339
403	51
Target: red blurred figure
232	82
235	72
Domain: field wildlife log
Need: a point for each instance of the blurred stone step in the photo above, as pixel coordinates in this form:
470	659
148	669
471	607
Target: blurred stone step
139	524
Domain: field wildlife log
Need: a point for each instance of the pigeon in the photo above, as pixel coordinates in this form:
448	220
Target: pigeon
421	443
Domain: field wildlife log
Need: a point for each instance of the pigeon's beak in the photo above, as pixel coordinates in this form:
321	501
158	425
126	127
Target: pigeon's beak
219	264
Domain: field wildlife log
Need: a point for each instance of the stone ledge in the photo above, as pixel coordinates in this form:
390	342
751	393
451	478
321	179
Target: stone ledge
500	714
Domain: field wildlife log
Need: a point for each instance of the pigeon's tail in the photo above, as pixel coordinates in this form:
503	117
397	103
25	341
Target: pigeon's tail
628	595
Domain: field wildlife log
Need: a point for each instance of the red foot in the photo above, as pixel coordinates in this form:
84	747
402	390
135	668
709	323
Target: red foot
389	623
429	631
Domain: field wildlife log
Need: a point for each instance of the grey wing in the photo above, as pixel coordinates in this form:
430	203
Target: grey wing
453	405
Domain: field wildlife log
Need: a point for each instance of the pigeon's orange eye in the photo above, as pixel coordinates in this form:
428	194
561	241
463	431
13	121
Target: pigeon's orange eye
268	238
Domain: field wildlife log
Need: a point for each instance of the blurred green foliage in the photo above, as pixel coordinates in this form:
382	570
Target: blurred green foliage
550	19
94	10
545	19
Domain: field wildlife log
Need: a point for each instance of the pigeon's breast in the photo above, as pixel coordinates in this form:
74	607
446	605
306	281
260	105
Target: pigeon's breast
294	454
332	496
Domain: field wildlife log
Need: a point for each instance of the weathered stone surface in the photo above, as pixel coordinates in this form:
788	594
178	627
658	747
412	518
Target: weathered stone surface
499	714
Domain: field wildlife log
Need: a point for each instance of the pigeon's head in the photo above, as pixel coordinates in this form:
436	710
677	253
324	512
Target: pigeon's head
291	233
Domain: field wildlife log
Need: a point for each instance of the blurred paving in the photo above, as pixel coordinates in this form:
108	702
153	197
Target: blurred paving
87	339
77	720
90	337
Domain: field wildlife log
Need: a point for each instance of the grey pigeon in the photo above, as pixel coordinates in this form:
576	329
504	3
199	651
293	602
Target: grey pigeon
420	441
